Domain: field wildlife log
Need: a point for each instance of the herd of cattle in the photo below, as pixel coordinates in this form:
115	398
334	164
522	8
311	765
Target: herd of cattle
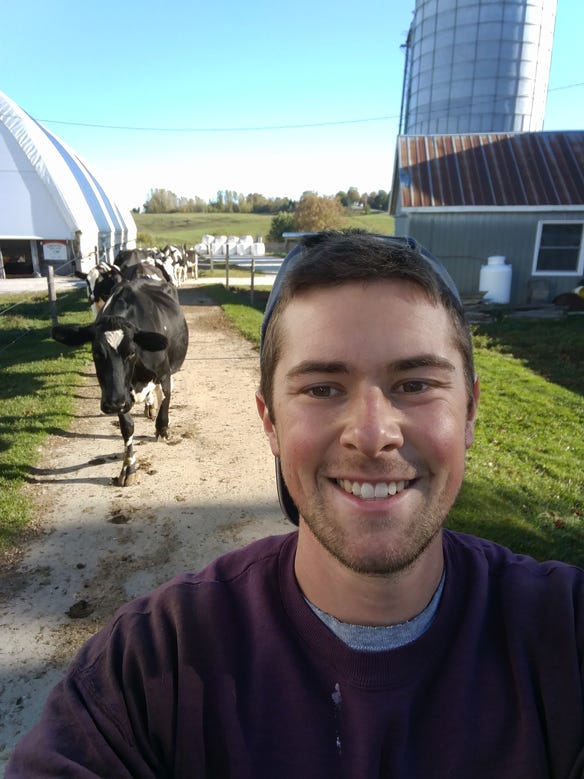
139	339
169	264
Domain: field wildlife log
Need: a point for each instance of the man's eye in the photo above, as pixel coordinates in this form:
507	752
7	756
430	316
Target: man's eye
321	391
412	386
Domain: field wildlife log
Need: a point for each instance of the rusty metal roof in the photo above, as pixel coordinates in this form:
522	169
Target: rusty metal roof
489	170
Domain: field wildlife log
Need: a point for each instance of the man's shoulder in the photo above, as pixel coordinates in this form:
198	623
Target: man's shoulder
248	565
205	602
498	561
257	554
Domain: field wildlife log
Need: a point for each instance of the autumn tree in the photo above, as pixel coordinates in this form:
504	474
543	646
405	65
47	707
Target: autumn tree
353	196
316	212
161	201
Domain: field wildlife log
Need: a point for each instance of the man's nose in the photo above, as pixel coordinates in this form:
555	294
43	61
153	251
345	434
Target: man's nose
372	424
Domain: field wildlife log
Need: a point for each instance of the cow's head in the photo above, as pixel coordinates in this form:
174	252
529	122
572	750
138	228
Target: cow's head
116	346
100	281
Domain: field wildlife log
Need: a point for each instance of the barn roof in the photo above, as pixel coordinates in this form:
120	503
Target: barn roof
47	191
489	170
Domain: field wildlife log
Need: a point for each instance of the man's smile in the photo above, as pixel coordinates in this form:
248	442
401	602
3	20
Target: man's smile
368	491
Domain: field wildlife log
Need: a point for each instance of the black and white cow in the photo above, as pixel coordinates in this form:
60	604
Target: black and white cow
175	263
100	281
139	340
130	265
146	263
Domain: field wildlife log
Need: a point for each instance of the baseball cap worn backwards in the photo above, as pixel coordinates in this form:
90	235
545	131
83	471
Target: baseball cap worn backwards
296	257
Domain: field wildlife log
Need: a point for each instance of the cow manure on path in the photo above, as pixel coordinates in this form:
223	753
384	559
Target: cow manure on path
119	519
80	609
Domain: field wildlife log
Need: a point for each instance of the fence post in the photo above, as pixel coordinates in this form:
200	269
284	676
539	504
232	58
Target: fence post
52	294
227	265
251	289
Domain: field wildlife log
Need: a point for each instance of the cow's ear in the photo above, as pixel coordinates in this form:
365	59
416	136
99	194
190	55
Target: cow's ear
73	335
151	342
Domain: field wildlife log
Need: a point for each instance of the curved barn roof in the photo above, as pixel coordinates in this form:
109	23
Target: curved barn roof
48	192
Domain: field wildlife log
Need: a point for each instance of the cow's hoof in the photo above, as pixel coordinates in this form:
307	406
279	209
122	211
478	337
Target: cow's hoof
164	434
126	478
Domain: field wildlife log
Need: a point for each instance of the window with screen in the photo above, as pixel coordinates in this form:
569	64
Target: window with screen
559	248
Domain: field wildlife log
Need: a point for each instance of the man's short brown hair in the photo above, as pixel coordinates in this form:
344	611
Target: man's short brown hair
330	259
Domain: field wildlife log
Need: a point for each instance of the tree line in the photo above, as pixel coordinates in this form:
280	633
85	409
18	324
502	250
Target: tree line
163	201
311	213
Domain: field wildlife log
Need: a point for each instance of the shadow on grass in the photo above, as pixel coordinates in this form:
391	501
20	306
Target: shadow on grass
553	349
221	295
547	529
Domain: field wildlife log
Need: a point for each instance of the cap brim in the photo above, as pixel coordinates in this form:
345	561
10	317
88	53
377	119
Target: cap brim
286	503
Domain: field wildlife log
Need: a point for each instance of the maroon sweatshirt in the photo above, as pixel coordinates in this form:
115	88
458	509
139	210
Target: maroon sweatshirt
229	673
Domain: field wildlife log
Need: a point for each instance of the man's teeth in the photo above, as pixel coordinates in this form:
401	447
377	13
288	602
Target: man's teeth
369	491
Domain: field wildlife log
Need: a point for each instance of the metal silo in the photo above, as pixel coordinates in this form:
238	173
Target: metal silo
477	66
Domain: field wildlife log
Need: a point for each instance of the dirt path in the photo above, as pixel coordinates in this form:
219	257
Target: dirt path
211	488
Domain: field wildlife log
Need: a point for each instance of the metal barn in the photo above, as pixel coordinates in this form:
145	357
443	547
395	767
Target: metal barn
521	195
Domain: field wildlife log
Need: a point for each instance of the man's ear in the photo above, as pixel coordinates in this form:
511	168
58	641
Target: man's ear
472	414
269	427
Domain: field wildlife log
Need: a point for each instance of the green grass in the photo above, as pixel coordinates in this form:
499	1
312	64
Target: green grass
190	228
237	308
161	229
524	485
378	222
36	392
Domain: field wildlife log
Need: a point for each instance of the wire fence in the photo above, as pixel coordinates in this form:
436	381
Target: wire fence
57	303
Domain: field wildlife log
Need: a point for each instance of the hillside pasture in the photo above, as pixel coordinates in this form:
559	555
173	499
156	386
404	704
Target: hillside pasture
179	229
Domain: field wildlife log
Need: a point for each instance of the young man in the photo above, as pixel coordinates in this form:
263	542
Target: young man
371	642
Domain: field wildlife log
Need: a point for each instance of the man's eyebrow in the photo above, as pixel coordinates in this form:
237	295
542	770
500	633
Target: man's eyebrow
423	361
307	367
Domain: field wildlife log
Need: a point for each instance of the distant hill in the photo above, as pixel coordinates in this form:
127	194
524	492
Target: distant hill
161	229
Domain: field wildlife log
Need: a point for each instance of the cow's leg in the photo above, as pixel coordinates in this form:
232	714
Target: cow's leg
150	396
127	475
153	401
162	418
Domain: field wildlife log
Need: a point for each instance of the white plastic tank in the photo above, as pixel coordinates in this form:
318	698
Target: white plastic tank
495	280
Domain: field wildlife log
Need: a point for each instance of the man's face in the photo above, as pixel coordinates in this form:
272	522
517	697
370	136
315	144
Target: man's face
371	420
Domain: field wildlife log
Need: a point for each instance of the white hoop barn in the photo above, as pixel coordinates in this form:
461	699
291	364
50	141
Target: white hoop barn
53	210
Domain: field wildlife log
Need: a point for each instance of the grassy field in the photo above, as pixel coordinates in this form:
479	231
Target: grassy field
162	229
524	485
37	392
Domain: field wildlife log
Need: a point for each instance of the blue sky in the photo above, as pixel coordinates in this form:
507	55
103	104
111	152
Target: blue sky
205	81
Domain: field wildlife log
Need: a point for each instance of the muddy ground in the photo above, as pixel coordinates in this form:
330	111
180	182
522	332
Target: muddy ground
209	489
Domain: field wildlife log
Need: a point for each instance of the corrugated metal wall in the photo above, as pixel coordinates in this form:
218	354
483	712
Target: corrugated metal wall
463	241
